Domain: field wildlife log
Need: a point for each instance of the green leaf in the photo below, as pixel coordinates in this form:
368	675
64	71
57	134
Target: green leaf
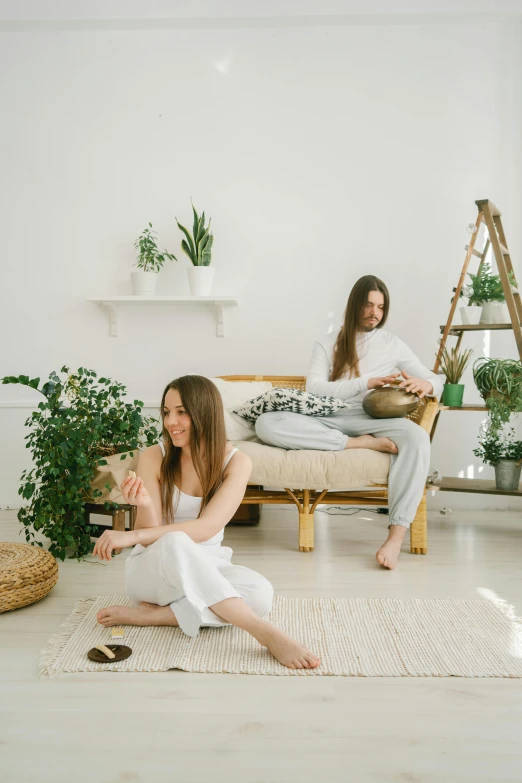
207	252
188	248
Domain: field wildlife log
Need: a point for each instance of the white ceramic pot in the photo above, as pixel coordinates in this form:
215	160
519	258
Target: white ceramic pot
495	313
470	315
201	279
143	283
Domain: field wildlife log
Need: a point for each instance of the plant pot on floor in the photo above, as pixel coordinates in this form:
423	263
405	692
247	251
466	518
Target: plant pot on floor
495	313
470	315
143	283
201	279
453	395
507	474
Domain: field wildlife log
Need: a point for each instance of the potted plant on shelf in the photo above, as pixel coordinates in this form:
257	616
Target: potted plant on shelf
494	307
78	425
453	363
198	247
149	263
474	292
504	453
486	299
499	382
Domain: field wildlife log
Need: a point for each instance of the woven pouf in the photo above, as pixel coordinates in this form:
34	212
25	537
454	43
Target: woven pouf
27	573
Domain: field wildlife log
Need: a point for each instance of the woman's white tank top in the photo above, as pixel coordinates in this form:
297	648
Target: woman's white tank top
188	506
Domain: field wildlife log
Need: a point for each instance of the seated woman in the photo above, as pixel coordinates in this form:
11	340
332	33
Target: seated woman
186	490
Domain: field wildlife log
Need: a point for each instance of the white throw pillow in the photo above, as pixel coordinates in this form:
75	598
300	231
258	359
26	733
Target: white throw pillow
234	394
289	400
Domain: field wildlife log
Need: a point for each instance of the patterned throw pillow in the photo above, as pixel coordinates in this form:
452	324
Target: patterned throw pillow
289	400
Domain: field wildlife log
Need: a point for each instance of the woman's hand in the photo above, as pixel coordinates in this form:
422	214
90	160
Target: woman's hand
416	385
376	383
134	492
113	539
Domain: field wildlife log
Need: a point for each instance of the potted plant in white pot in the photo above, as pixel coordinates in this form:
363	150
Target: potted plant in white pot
149	263
198	247
471	312
453	363
494	307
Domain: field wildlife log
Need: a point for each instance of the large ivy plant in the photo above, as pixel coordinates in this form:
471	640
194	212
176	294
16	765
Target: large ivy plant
81	420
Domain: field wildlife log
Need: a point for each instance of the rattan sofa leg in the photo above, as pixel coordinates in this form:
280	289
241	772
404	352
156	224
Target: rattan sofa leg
306	532
419	530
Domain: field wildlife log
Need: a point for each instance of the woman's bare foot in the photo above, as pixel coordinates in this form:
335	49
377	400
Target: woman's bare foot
144	614
286	650
371	442
389	552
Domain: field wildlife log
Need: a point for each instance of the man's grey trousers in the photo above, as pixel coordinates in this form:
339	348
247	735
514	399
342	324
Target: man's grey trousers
408	469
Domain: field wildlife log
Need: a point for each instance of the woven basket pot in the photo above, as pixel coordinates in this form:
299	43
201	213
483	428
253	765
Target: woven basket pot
27	573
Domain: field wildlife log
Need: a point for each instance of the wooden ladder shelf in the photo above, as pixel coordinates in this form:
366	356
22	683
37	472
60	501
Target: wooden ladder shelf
491	217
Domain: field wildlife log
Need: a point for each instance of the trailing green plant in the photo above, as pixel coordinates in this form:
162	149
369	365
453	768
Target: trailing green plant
453	363
198	245
499	382
494	447
149	257
80	420
485	286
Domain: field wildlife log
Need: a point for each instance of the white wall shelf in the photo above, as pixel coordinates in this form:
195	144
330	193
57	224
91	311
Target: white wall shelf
112	305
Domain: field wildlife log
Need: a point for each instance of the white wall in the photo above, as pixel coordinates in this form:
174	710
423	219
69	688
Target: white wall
322	152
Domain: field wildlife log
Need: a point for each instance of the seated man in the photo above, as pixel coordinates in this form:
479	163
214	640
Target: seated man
361	357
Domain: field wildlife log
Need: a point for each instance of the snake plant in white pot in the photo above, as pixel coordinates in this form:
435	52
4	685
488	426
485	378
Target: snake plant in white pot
198	247
149	263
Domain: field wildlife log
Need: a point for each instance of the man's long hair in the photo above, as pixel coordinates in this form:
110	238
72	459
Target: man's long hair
345	358
202	401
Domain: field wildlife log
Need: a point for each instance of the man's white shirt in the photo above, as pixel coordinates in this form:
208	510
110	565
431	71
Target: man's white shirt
380	354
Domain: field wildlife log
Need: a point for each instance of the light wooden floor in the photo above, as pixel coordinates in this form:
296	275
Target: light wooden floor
190	728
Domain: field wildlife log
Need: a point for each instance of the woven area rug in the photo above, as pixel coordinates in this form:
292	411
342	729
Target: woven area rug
363	637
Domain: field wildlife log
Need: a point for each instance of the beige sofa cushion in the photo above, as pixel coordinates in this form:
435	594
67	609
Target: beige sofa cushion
307	469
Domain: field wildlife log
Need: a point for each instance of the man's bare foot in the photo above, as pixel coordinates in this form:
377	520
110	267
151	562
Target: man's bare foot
389	552
371	442
286	650
144	614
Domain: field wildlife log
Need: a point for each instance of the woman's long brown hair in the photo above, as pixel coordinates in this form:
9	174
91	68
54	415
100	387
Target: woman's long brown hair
345	358
202	401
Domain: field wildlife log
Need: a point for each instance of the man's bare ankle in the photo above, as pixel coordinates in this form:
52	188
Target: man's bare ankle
396	531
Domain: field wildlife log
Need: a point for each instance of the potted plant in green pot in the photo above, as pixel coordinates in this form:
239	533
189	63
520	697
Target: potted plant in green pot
453	363
149	263
78	425
504	453
198	247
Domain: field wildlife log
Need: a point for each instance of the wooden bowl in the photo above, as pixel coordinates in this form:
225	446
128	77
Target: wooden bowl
390	402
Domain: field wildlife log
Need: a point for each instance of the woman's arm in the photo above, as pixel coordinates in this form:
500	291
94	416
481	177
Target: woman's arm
150	513
217	513
215	516
317	380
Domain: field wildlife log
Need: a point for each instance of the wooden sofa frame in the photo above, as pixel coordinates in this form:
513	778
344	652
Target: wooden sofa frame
307	500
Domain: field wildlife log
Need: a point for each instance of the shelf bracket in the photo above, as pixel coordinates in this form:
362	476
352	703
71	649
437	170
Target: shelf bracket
112	312
220	331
